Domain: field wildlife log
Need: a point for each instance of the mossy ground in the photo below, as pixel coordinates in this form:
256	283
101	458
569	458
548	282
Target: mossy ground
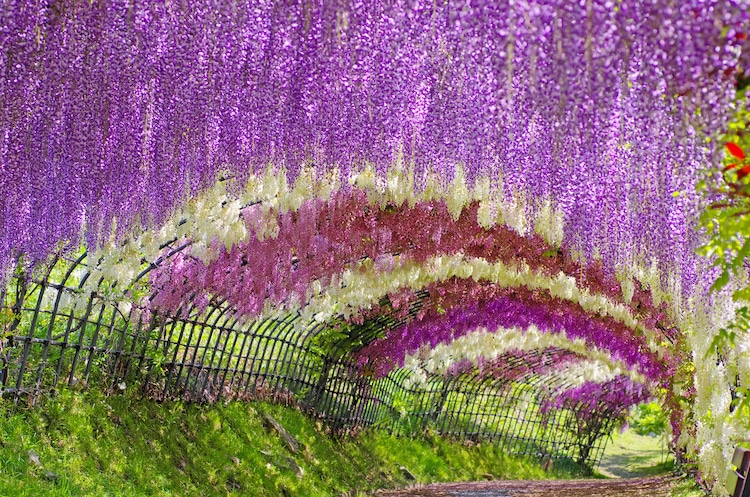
89	444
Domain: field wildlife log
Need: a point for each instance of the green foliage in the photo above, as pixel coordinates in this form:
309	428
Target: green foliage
334	341
726	220
649	418
687	487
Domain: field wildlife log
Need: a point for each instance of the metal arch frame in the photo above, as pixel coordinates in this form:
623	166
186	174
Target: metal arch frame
549	443
337	361
86	348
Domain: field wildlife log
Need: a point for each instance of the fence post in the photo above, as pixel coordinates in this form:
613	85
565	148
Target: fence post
737	479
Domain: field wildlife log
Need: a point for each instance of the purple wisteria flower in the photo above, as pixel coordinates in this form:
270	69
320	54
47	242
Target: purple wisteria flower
590	399
507	311
118	111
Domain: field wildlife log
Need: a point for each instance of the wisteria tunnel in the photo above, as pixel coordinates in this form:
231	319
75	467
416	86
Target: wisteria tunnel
555	399
479	219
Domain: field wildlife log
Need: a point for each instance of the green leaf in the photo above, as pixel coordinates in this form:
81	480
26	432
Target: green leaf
721	281
742	294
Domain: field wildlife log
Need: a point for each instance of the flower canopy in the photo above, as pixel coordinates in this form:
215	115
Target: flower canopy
119	111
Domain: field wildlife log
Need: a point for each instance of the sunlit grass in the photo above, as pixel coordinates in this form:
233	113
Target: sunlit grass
629	455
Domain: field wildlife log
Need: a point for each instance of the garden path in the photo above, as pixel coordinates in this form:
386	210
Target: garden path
659	486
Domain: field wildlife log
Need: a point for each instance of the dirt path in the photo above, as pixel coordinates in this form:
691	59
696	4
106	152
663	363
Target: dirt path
659	486
629	455
629	462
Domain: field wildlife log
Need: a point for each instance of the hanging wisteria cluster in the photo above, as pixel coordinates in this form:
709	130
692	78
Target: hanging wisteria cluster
589	400
516	364
463	306
319	240
482	349
313	245
614	396
114	110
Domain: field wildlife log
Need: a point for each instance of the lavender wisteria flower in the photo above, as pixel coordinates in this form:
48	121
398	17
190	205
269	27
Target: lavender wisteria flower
118	111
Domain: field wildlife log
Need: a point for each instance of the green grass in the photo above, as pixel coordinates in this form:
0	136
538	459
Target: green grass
687	487
120	446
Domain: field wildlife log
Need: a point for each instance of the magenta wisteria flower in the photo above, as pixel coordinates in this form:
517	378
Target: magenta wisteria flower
322	239
515	308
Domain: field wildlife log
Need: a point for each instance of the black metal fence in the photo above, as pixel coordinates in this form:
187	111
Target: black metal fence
54	334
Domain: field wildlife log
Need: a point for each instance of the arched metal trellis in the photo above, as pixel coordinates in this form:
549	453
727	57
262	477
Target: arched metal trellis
56	334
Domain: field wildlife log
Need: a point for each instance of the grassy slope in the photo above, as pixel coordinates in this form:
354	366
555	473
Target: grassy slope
110	446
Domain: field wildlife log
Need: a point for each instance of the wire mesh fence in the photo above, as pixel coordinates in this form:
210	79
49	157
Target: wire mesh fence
54	334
